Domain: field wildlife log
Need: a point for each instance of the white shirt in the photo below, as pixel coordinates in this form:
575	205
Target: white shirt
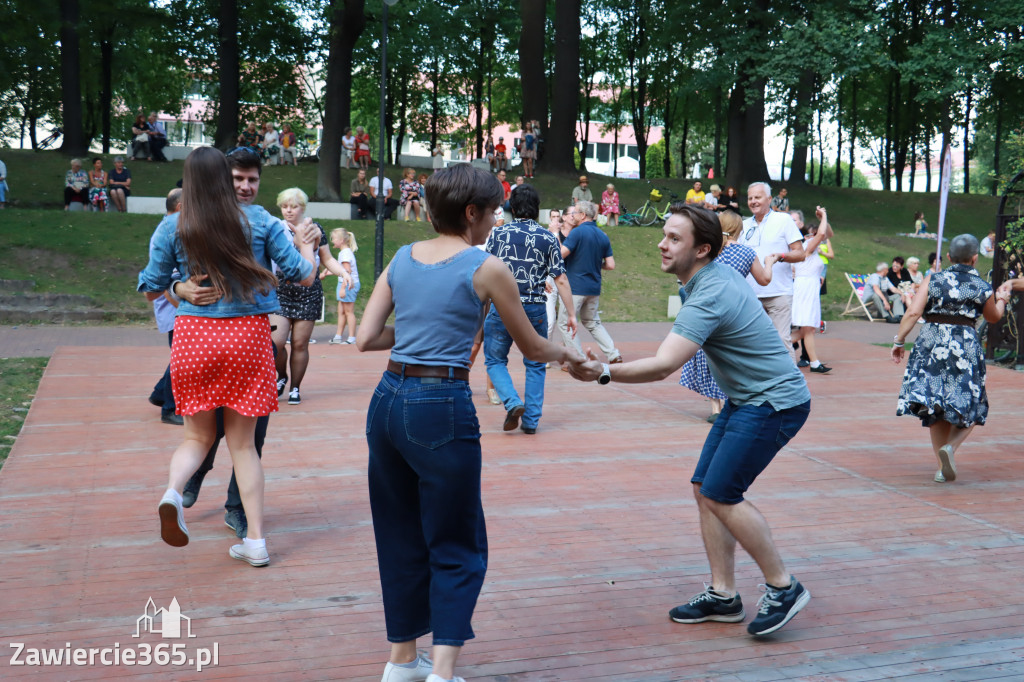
987	248
774	235
271	138
388	187
349	142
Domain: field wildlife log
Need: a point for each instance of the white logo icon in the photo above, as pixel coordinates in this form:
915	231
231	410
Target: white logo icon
170	618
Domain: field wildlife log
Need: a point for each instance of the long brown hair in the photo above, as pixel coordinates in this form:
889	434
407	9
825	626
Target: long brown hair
214	231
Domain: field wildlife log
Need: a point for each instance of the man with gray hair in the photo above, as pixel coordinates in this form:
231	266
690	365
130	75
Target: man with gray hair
587	251
880	291
769	232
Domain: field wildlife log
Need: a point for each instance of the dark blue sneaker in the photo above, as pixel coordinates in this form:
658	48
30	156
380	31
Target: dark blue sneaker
236	521
709	605
777	607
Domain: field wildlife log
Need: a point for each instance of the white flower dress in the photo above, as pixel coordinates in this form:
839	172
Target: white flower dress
945	375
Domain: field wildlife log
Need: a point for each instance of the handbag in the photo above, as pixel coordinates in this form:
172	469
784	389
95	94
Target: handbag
142	137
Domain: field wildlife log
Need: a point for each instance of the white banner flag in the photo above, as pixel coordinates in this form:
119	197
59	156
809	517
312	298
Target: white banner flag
947	170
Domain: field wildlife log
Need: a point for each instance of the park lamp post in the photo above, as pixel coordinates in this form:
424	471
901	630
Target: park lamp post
378	250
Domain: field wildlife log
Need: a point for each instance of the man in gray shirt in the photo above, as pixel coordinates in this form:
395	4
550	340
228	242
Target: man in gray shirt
768	404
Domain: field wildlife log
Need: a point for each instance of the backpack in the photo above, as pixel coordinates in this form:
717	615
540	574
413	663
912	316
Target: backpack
529	141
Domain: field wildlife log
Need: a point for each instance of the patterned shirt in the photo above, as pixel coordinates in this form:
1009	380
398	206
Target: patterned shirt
530	252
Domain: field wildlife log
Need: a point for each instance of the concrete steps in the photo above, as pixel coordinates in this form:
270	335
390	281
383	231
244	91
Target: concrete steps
18	304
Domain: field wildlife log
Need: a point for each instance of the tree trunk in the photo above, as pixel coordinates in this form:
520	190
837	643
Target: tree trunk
913	161
228	59
533	81
887	143
899	135
565	94
106	87
478	95
615	153
718	130
928	161
998	145
802	117
839	139
734	141
853	134
347	21
684	169
821	152
70	80
435	105
967	142
403	97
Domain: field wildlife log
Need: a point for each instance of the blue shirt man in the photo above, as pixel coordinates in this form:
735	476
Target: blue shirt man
532	254
587	251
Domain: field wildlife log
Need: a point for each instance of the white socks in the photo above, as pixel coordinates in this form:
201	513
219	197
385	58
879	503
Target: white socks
815	364
255	544
174	494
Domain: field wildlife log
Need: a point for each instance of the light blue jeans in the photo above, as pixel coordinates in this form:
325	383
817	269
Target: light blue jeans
497	343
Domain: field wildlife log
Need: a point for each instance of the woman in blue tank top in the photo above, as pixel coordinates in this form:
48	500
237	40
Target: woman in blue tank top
421	426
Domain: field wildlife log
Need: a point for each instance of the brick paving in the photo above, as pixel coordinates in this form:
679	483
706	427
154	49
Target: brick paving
592	527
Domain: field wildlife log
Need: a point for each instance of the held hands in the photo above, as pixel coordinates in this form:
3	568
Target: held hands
771	259
585	369
306	232
820	214
191	291
1005	291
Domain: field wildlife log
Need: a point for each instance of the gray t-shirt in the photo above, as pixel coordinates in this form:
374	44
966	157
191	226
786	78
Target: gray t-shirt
872	281
745	354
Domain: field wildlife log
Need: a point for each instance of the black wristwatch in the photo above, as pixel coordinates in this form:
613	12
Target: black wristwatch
606	374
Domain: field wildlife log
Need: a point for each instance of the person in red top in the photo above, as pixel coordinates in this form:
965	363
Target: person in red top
501	159
507	189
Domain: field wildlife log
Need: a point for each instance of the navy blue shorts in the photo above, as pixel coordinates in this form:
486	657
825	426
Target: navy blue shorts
742	442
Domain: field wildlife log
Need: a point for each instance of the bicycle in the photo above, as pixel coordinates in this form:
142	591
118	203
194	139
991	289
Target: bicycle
304	151
49	141
649	213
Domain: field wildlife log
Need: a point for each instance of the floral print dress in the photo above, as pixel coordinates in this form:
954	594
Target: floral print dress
945	375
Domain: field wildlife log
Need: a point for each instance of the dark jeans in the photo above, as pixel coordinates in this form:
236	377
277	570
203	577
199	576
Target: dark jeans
362	205
389	207
162	390
742	443
156	147
428	521
71	195
497	343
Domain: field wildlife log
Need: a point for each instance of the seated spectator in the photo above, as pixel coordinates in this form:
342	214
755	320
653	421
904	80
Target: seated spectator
489	153
933	264
781	203
250	137
359	195
610	205
913	263
501	154
731	201
98	185
288	142
988	245
695	195
363	155
878	290
140	138
389	204
4	188
120	185
157	138
581	192
272	146
76	185
410	190
901	279
348	147
920	226
711	199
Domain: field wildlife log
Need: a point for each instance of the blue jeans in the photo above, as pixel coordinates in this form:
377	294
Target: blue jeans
496	345
428	521
741	444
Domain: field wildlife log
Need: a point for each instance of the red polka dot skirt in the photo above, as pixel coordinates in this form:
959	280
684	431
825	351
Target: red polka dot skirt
223	362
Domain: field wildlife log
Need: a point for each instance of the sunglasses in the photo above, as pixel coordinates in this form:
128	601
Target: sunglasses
749	233
247	150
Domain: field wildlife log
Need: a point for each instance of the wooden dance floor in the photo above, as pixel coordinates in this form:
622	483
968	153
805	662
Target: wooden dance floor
593	536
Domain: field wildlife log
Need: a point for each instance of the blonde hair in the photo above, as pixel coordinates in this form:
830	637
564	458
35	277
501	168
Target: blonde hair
293	195
345	237
409	171
731	224
914	259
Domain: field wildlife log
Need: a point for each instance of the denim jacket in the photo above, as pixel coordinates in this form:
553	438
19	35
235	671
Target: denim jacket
270	240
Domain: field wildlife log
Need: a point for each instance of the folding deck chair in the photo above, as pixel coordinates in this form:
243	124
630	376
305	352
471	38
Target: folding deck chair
857	283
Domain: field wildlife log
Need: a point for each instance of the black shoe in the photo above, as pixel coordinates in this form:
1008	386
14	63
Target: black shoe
281	383
709	605
803	363
512	418
821	369
191	492
235	520
528	429
155	400
171	418
777	607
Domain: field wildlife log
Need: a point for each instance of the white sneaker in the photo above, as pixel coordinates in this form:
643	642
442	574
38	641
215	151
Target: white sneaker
397	673
438	678
337	340
172	520
254	557
351	339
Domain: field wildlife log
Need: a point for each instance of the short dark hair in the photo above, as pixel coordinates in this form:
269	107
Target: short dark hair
525	202
706	228
450	190
899	259
245	158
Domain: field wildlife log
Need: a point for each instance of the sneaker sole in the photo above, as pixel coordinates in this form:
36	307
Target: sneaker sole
946	460
170	531
512	418
249	560
294	402
735	618
801	602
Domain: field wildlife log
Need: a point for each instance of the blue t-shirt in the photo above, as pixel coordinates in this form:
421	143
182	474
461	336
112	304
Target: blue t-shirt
746	357
588	247
530	252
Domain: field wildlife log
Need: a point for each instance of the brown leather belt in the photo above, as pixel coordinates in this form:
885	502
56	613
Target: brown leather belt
460	373
950	319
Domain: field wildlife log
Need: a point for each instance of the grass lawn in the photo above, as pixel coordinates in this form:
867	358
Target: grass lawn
19	378
101	254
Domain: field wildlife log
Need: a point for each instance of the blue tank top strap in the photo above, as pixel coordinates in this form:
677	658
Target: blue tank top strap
437	310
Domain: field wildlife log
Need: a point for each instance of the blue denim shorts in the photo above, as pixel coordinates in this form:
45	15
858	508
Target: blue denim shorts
741	444
350	293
